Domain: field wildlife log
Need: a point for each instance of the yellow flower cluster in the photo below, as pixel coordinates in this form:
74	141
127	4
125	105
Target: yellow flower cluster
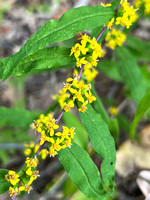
127	14
46	125
145	4
80	93
115	38
31	149
22	181
87	52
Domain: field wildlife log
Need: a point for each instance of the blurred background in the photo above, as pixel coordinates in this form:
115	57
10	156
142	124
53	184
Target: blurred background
19	20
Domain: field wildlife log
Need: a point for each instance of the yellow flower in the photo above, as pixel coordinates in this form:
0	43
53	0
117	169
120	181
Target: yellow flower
110	23
69	105
78	96
31	162
52	152
52	126
83	107
90	97
115	38
26	188
81	61
106	5
128	15
71	131
113	110
13	191
90	74
12	177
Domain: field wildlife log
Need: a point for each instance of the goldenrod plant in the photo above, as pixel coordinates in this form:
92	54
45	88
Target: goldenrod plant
110	24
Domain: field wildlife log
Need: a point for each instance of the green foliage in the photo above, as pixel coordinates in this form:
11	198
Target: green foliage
4	184
130	73
109	67
83	171
143	106
102	143
81	137
72	22
115	3
99	106
47	58
16	117
114	128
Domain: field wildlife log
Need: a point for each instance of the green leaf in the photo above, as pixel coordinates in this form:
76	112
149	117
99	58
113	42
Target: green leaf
102	142
137	45
142	108
81	137
110	68
83	171
79	196
4	184
98	105
16	117
115	3
124	123
47	58
130	73
114	128
73	21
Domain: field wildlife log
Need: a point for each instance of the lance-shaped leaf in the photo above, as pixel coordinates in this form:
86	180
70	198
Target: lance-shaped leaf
130	73
83	172
142	108
48	58
102	142
16	117
4	184
72	22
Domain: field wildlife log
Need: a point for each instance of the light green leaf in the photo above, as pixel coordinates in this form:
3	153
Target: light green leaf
102	142
81	137
79	196
130	73
16	117
142	108
73	21
83	171
4	184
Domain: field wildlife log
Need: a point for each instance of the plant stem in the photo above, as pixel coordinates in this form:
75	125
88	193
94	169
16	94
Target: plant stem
101	33
119	5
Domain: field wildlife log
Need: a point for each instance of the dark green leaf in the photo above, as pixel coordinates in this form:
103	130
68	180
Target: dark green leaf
124	123
4	184
110	68
114	128
102	142
130	73
83	171
72	22
142	108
